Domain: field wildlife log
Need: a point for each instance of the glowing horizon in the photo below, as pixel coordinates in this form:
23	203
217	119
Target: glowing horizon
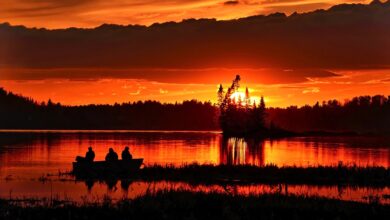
239	96
110	91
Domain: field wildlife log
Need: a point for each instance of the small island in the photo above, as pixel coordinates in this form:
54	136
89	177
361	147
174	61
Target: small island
241	116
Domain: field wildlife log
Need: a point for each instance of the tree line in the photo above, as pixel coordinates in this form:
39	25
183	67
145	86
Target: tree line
17	112
363	114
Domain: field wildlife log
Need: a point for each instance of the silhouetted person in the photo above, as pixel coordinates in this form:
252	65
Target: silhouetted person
111	156
126	156
90	155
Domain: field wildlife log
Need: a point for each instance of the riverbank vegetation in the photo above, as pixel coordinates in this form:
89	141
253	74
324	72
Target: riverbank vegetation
182	204
269	174
319	175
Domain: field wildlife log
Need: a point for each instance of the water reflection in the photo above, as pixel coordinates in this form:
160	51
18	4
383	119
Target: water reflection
111	184
304	152
28	155
238	151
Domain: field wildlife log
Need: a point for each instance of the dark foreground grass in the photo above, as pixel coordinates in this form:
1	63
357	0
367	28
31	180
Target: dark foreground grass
190	205
320	175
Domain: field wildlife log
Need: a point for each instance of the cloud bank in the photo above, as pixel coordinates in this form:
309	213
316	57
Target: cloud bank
343	37
91	13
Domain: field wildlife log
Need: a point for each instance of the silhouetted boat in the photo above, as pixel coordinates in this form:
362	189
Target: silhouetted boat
104	168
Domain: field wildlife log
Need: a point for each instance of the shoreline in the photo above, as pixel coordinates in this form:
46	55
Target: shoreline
268	174
288	134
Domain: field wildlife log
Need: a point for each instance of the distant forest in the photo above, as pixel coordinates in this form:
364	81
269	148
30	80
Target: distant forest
364	114
24	113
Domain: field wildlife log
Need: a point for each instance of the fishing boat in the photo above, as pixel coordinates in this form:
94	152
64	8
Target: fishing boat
107	168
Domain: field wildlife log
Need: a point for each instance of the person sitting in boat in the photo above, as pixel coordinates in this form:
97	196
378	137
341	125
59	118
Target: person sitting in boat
126	156
111	155
89	156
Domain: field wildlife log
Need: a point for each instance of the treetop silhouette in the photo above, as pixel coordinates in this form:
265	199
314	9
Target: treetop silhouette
238	116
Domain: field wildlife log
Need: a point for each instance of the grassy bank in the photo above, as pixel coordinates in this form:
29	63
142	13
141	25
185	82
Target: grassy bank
189	205
269	174
319	175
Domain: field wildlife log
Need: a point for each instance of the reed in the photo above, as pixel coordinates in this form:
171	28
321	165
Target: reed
318	175
183	204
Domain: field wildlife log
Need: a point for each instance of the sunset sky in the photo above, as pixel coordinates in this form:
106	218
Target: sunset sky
86	74
91	13
277	93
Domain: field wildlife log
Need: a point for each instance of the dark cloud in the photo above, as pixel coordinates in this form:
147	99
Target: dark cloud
199	76
294	8
343	37
231	2
265	2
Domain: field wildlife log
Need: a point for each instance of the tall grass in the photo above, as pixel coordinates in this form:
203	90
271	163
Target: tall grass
183	204
318	175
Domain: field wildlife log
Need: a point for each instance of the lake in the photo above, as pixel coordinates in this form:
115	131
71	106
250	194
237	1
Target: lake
31	160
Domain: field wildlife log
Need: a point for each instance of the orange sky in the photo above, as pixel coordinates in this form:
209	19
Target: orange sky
280	88
90	13
281	94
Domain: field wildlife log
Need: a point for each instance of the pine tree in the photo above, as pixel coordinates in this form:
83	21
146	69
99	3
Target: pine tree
239	102
247	97
49	103
262	103
220	95
236	83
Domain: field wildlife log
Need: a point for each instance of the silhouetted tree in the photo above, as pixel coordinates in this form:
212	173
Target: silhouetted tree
220	95
247	97
262	103
359	114
20	112
239	117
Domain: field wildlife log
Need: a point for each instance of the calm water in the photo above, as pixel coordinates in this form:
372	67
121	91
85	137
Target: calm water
27	156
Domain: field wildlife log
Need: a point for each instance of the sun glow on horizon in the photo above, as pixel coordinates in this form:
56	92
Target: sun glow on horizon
239	96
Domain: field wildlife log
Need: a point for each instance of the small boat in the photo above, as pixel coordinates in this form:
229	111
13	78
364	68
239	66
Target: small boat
105	168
